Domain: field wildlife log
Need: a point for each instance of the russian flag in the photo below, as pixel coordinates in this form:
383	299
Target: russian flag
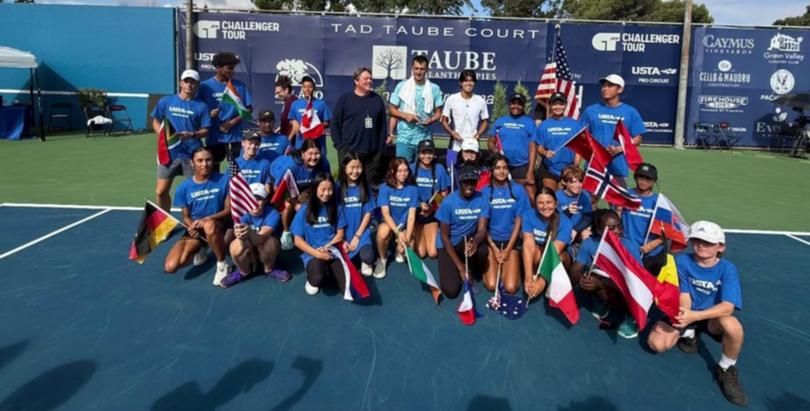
668	219
356	288
466	309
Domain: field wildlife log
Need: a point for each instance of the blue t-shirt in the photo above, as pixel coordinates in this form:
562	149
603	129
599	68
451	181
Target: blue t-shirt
601	121
202	199
269	218
297	110
211	91
426	184
515	134
552	134
413	133
399	201
273	147
636	223
355	211
582	219
316	235
709	286
183	115
303	174
255	170
588	250
462	215
505	207
532	223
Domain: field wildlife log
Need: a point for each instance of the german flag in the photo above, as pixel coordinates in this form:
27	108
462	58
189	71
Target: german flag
155	226
436	201
167	140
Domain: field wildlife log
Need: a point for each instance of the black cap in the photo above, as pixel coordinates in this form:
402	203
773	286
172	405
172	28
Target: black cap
426	145
225	58
468	173
557	97
518	96
647	170
252	135
267	115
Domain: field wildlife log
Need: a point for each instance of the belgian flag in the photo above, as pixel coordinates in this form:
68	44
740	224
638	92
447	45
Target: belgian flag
155	226
167	139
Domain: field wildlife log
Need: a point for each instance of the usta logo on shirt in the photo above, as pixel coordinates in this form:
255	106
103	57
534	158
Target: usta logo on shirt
705	287
467	213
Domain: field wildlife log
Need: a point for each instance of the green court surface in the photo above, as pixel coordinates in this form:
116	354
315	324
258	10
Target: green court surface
738	189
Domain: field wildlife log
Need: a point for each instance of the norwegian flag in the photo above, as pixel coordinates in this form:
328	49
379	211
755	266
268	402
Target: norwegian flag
603	185
242	200
311	126
556	77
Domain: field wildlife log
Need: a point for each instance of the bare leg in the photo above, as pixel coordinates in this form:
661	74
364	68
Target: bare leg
214	234
162	197
181	252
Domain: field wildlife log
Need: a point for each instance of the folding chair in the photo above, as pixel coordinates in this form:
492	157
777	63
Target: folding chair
119	115
60	112
704	137
91	115
726	138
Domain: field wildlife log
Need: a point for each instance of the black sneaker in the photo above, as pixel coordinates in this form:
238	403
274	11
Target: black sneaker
688	345
730	386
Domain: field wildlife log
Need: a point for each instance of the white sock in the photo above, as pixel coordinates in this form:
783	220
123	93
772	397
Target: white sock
689	333
726	362
222	263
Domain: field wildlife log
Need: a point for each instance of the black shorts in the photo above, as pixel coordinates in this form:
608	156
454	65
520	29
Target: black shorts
503	244
544	173
703	328
422	220
220	151
519	172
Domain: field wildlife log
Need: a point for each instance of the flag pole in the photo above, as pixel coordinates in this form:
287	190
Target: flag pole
652	221
180	223
601	241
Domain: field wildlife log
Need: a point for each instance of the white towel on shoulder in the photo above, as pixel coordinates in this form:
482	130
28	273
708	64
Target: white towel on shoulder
408	96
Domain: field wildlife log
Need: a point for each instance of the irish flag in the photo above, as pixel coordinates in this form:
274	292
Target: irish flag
155	226
422	273
232	97
167	140
559	292
311	126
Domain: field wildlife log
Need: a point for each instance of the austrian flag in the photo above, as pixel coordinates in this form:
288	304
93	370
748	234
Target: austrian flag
311	126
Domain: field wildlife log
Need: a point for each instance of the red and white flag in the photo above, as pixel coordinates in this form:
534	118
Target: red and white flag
637	285
239	193
631	153
602	184
557	77
311	126
286	186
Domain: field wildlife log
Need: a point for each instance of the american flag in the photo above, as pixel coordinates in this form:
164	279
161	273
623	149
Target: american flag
242	200
556	77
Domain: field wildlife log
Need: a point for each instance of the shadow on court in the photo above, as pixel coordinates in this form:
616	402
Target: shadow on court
12	351
52	388
592	403
788	401
487	403
310	369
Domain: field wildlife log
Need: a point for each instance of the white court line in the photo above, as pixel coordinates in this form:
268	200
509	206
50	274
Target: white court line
798	239
47	236
765	232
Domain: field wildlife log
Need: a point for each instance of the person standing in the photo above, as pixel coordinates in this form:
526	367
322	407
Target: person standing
516	133
464	115
601	119
284	93
273	145
189	120
225	135
296	115
417	103
358	125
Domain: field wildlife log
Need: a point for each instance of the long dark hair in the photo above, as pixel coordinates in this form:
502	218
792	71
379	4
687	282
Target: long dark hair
298	155
391	175
343	179
495	159
554	222
432	169
314	205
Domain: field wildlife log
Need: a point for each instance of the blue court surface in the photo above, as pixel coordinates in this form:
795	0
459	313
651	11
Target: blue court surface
86	329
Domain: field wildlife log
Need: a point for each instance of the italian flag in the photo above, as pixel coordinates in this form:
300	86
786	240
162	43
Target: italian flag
167	140
422	273
232	97
559	292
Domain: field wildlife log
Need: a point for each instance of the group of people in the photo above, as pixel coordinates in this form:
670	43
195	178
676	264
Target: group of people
493	232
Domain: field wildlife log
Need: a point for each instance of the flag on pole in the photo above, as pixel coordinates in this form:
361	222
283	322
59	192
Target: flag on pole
557	74
286	186
422	273
631	153
668	293
356	288
154	227
497	142
602	184
483	180
668	219
636	284
232	97
167	140
436	201
240	194
466	309
559	291
311	126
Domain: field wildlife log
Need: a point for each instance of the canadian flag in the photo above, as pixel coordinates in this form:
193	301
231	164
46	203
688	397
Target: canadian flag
311	126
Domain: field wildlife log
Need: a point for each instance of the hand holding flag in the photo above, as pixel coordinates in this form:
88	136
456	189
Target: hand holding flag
231	96
631	153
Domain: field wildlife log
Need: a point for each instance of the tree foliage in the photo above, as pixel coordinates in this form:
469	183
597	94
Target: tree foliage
438	7
499	108
521	8
633	10
803	20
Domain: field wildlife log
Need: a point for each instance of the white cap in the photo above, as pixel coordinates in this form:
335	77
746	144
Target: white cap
469	144
707	231
258	190
190	74
613	79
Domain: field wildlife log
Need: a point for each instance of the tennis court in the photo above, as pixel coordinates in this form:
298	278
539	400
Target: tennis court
86	329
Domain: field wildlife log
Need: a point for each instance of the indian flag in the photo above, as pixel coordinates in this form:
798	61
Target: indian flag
422	273
559	292
167	140
155	226
232	97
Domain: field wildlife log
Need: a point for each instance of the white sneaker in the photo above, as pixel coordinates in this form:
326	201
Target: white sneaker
399	258
223	269
379	269
311	289
201	257
287	243
366	269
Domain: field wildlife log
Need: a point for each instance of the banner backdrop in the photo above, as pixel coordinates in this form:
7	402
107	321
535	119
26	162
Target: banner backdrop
737	73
